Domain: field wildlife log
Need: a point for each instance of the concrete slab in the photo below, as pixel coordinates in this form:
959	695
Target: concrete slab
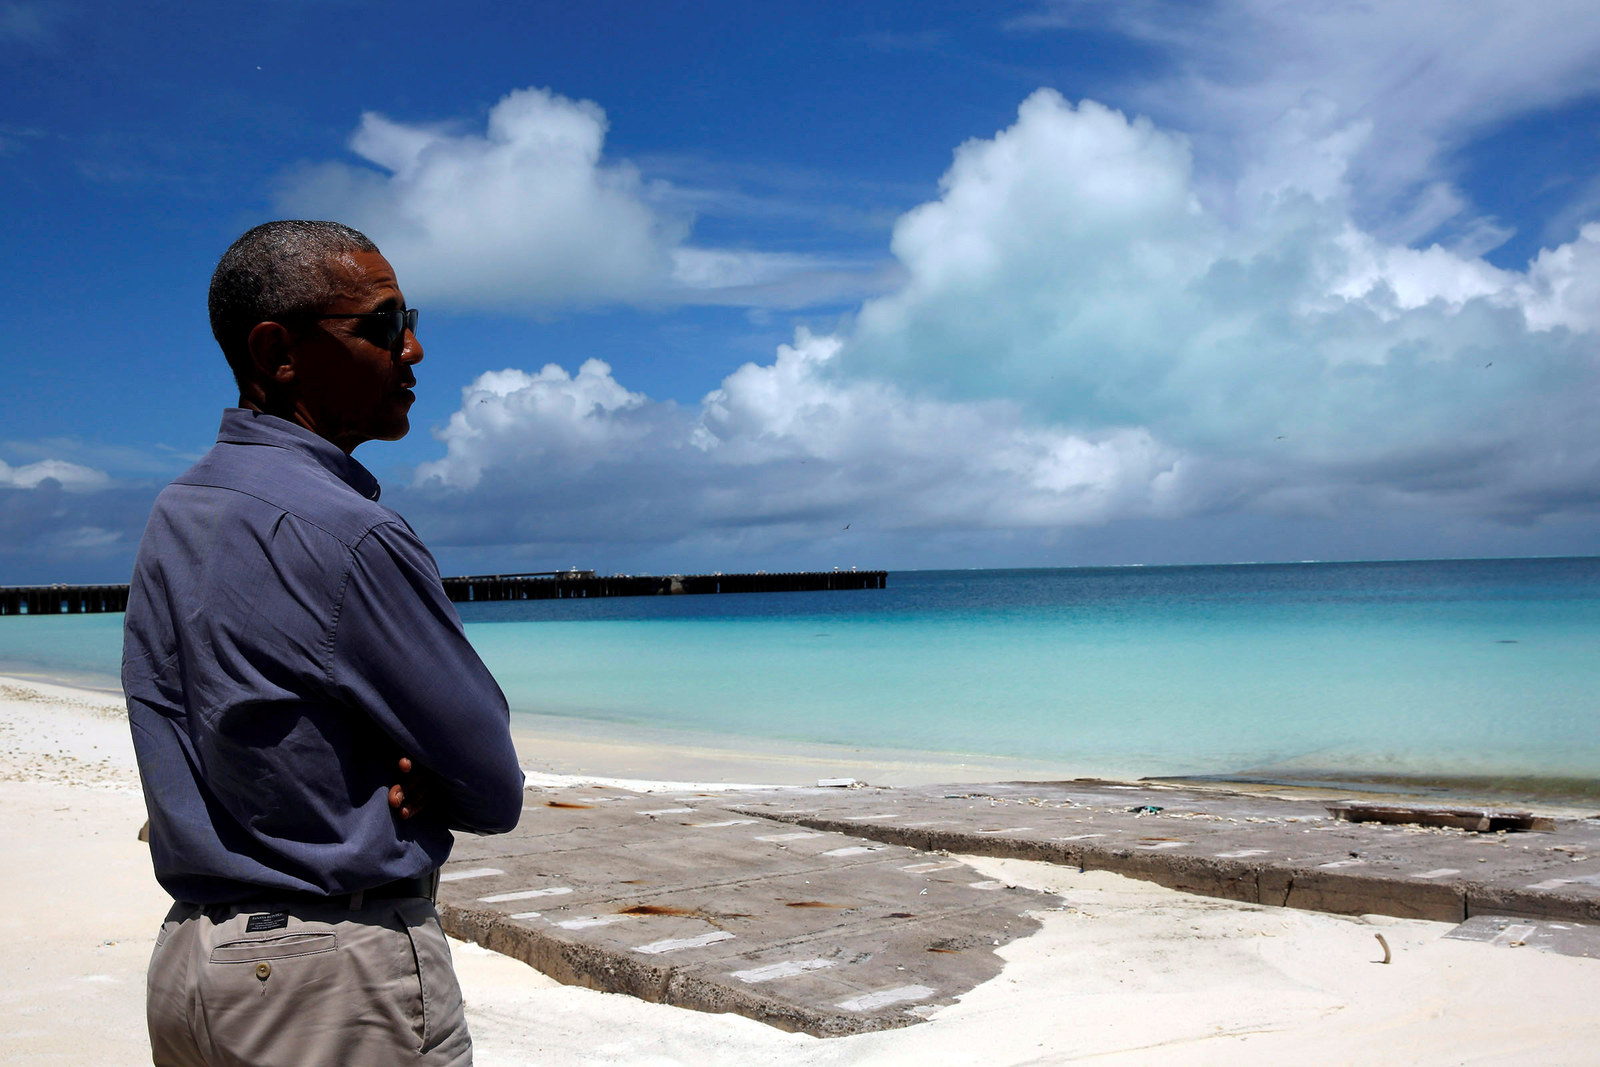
1249	847
1566	939
839	910
684	901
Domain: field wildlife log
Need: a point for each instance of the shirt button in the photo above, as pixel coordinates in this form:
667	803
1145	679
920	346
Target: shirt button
263	969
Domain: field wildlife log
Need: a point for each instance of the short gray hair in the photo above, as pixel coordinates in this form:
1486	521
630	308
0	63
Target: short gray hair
275	271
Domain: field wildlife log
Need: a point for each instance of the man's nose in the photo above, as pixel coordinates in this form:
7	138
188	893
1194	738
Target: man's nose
411	350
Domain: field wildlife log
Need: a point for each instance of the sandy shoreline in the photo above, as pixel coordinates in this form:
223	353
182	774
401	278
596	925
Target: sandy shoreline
648	758
1124	972
569	747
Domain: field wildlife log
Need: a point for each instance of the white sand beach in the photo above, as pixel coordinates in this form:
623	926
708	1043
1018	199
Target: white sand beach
1124	973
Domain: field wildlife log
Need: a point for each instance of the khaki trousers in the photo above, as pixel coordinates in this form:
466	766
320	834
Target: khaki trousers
297	984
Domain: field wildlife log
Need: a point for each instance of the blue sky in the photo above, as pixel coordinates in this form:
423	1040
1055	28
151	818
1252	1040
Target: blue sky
1030	284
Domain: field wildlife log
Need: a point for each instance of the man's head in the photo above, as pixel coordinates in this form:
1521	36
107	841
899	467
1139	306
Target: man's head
297	308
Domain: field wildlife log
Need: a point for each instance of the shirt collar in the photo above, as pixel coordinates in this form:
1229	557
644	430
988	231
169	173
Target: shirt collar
242	426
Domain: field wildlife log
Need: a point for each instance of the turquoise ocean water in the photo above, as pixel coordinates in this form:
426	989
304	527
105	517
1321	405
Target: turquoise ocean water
1486	671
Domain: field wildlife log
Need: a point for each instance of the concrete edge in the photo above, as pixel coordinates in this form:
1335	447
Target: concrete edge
1278	885
572	962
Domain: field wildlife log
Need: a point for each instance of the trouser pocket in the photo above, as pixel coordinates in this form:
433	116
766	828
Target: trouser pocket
178	914
442	1013
266	949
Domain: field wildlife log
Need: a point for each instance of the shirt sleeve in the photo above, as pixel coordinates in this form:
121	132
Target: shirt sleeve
397	651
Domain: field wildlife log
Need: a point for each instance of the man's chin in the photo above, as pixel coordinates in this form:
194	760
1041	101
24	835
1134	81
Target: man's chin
398	426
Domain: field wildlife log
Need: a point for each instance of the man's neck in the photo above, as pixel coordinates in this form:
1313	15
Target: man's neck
290	413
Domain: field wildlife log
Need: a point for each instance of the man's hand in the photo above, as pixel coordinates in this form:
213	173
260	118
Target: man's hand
407	796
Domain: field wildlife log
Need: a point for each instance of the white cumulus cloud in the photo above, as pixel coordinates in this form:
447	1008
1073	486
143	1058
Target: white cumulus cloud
1078	339
1562	287
525	212
69	475
781	446
1365	100
530	215
514	419
1069	264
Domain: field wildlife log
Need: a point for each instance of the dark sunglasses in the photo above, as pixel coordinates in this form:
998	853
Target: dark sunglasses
391	326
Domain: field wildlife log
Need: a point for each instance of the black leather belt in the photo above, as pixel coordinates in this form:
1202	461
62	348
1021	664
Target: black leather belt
423	885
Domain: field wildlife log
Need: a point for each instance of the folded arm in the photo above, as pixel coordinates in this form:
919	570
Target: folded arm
398	653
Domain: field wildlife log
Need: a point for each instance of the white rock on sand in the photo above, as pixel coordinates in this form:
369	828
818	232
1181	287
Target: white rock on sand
1126	973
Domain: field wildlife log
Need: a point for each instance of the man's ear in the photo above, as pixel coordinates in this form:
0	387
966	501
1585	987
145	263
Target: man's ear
269	344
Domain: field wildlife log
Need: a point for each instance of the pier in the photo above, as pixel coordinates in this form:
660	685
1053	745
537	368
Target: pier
62	599
560	585
528	585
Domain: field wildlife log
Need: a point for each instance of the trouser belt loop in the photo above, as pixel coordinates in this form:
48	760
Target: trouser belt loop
356	899
433	885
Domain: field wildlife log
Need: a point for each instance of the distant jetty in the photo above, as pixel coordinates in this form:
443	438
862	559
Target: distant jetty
560	585
528	585
62	599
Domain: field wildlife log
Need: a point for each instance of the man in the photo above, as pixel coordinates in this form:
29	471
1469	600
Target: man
309	719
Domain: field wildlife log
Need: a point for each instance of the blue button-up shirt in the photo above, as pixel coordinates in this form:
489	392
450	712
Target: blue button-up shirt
287	641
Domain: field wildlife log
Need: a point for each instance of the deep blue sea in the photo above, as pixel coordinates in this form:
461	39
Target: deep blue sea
1482	670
